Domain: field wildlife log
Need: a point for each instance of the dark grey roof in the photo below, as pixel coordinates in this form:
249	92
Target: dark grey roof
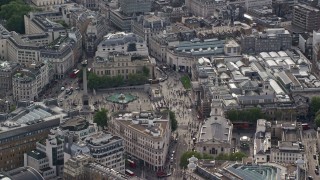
37	154
24	173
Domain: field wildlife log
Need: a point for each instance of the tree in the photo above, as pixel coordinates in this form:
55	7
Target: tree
186	155
249	115
101	118
317	120
145	71
315	105
13	12
237	156
173	121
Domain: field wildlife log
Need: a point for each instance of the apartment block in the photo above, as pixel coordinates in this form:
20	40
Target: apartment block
146	136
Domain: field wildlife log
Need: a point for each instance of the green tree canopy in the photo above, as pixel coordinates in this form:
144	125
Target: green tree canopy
186	155
101	118
248	115
317	120
13	13
173	120
315	105
237	156
145	71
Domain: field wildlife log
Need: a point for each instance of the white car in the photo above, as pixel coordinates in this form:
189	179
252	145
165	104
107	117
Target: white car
62	88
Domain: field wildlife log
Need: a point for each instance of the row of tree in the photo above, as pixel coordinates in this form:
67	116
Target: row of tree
100	82
237	156
248	115
315	109
13	11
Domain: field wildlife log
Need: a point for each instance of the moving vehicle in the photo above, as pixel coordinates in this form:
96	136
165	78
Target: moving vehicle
131	163
305	126
74	73
130	173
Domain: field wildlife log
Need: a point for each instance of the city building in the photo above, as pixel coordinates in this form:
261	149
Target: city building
257	3
89	4
40	162
27	83
83	167
22	173
123	65
63	53
202	8
95	31
24	127
38	23
215	134
306	17
262	142
130	7
105	149
52	151
273	39
120	20
158	45
271	81
7	71
127	43
289	148
47	2
146	136
147	26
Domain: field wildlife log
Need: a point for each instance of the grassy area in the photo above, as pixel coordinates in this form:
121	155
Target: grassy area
186	82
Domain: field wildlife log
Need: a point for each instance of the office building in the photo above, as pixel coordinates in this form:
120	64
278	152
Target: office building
202	8
275	39
22	173
63	53
25	127
94	34
130	7
47	2
105	149
83	167
40	162
37	23
257	3
125	43
306	17
123	65
147	26
121	20
7	71
146	136
27	83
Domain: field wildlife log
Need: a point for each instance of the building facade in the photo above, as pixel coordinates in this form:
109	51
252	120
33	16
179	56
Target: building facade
280	39
306	17
122	65
125	43
27	83
7	71
146	136
20	133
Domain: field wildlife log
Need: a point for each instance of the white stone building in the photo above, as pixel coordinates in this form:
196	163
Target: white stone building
127	43
29	82
146	136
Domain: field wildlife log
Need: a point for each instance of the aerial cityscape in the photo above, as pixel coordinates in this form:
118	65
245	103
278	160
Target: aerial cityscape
159	89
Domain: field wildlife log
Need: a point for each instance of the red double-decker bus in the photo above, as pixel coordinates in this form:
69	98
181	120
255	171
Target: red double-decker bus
131	163
74	73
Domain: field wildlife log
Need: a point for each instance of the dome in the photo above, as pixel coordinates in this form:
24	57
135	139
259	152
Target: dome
193	159
192	166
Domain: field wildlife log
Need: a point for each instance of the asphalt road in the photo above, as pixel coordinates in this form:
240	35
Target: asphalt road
310	142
